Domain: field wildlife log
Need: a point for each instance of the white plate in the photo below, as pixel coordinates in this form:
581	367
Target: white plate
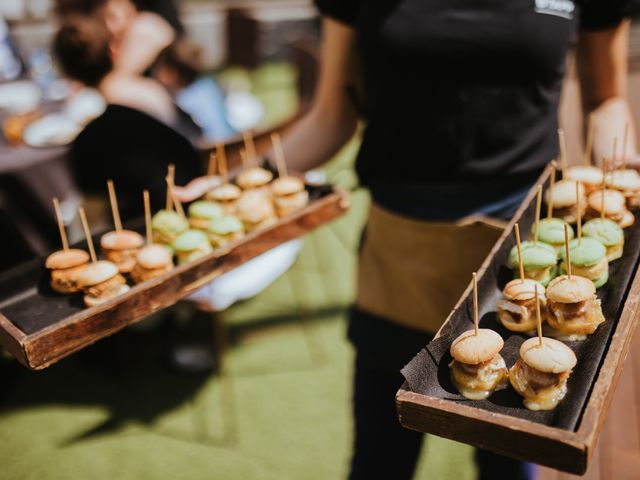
84	106
19	97
51	130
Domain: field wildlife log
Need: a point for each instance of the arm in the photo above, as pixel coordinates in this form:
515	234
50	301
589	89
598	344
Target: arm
602	68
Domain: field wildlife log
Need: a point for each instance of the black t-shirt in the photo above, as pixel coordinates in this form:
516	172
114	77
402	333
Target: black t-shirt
134	149
461	96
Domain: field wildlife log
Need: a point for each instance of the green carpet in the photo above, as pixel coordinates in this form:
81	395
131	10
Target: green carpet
281	410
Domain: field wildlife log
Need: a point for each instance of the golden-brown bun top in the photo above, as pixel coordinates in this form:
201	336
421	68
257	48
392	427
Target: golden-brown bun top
289	185
564	194
255	206
226	193
624	179
154	256
584	173
563	289
550	357
474	349
63	259
254	177
522	289
121	240
614	202
96	273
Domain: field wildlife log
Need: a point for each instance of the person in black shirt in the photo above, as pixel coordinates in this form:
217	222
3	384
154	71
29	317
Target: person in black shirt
137	136
460	102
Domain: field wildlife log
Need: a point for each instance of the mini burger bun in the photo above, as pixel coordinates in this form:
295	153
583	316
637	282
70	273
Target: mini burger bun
564	194
96	273
522	290
121	240
627	219
254	177
474	349
585	174
91	301
550	357
63	259
563	289
284	186
225	193
614	202
154	256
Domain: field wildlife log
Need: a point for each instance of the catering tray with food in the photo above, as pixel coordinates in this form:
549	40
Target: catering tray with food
50	308
536	385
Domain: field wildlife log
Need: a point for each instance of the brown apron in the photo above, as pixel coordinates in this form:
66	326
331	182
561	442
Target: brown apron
412	272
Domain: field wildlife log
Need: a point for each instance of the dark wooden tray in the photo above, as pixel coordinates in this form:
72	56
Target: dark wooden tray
40	327
563	438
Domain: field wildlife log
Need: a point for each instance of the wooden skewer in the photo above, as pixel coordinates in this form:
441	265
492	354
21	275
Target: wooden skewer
250	147
614	155
63	233
552	183
279	154
222	162
147	216
579	212
538	316
588	147
604	186
519	247
538	206
115	211
566	249
563	152
475	303
211	167
87	234
244	159
176	200
625	139
171	172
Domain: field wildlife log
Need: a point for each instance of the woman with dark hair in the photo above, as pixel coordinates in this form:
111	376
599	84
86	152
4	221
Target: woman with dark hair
136	137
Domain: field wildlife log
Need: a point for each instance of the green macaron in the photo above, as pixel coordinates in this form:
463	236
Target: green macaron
551	231
606	231
169	222
205	210
225	225
584	252
190	240
538	260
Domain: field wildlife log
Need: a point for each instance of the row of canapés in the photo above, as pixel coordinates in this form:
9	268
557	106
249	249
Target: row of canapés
226	213
571	265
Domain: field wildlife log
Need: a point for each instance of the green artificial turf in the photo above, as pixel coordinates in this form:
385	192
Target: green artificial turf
280	410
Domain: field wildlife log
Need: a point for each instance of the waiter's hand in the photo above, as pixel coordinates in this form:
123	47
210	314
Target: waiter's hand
196	188
609	122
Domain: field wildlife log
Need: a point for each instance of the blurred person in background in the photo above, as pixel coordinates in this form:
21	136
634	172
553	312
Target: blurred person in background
136	137
461	102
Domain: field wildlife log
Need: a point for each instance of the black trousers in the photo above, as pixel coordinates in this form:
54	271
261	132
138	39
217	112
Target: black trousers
382	448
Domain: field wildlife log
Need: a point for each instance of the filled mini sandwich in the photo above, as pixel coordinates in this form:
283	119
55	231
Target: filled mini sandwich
152	261
191	245
539	261
101	281
615	207
573	310
121	247
255	210
517	310
628	184
540	375
226	195
66	266
478	369
289	195
588	259
608	233
551	232
565	204
224	230
167	225
587	175
254	178
202	212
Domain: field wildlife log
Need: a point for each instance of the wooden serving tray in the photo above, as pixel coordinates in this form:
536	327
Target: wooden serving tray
40	327
563	438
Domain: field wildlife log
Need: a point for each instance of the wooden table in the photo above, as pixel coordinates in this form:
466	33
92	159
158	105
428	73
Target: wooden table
617	455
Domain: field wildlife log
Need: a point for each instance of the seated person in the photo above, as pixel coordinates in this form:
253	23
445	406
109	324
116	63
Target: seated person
136	137
178	68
